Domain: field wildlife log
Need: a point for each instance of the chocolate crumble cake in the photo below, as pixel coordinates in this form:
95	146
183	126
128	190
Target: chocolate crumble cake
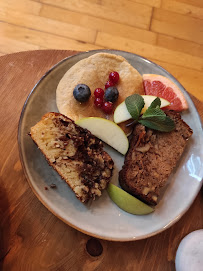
75	153
151	158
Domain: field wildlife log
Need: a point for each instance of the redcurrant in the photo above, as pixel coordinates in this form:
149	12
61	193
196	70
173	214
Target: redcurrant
109	84
98	102
107	107
114	77
99	93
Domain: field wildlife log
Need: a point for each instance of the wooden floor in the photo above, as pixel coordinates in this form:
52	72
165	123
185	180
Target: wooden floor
169	32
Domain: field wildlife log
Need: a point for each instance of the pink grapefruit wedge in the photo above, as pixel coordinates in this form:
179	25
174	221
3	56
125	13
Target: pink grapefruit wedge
163	87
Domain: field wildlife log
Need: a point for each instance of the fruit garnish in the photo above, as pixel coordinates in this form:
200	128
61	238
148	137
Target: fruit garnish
153	117
114	77
127	202
81	93
107	107
111	94
106	100
107	131
122	114
163	87
98	102
99	93
109	84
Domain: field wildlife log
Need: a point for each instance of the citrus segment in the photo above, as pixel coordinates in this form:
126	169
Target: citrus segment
163	87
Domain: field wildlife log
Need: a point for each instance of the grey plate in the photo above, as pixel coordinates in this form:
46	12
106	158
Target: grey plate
102	218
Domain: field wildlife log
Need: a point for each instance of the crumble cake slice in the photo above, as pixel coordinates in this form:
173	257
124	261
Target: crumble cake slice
75	153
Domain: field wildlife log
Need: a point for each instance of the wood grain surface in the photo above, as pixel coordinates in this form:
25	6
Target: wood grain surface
32	238
165	31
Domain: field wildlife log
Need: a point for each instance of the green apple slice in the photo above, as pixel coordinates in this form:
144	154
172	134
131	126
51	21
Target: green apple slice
107	131
127	202
121	113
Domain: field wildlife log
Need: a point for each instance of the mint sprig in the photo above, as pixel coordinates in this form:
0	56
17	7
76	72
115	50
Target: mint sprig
153	118
134	104
163	125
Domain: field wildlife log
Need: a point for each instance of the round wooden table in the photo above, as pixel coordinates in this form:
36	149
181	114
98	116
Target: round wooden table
32	238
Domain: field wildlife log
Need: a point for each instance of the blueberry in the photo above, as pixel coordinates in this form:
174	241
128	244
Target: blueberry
81	93
111	94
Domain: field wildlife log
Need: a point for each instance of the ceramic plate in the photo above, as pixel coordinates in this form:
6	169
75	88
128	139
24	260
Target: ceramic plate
102	218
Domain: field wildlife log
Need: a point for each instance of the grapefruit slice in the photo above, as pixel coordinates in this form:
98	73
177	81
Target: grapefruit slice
163	87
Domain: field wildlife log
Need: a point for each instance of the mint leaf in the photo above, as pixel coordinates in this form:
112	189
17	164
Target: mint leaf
134	104
154	113
161	124
155	118
155	103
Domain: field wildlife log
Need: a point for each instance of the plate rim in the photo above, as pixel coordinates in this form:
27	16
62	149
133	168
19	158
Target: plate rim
176	219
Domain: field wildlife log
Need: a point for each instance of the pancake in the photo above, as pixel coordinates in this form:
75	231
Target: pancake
94	72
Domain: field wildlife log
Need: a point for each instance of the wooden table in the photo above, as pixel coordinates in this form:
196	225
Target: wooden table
32	238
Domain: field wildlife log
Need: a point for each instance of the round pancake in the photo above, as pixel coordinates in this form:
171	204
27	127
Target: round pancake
94	72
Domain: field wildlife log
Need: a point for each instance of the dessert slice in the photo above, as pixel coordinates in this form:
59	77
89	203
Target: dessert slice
151	158
75	153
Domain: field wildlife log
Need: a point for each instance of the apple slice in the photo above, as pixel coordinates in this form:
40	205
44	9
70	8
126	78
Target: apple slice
107	131
127	202
121	113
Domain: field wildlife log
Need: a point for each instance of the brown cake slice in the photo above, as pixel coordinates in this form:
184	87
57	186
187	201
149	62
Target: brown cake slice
151	158
75	153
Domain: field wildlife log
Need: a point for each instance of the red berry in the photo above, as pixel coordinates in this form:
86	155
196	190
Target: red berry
107	107
98	102
109	84
114	77
99	93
